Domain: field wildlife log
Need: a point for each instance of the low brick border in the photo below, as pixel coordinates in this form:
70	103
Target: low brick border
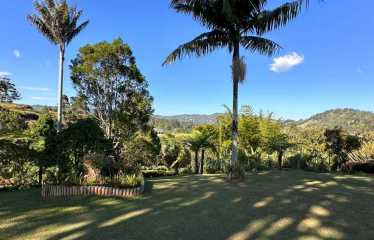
56	191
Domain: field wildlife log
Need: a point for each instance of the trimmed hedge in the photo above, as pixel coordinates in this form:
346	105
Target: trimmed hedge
365	167
158	173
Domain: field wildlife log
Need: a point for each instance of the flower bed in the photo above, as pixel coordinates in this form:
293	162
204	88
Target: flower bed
54	191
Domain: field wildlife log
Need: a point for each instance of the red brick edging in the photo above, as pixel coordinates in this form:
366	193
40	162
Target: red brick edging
52	191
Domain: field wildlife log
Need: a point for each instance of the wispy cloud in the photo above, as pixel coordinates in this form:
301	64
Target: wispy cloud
286	62
17	53
43	98
5	74
360	70
40	89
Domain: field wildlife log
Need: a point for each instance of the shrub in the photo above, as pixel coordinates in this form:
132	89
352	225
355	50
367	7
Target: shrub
353	167
125	181
158	173
10	120
213	166
298	161
185	171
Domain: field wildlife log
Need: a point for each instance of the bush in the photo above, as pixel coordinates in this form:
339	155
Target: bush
297	161
10	120
125	181
158	173
185	171
214	166
353	167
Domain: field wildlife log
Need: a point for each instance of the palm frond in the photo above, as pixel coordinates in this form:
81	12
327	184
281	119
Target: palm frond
201	45
57	21
260	45
269	20
42	27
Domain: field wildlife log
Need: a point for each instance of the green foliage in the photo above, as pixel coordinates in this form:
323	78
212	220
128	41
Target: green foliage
11	121
76	141
340	145
15	162
125	181
107	78
57	21
170	152
8	91
158	173
143	150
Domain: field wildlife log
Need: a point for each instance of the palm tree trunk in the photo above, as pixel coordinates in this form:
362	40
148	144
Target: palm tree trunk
235	83
196	162
202	161
60	88
40	175
280	158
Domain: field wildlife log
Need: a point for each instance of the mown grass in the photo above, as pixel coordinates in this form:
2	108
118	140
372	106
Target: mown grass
273	205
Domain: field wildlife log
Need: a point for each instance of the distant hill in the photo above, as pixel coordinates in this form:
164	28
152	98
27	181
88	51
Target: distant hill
195	119
352	120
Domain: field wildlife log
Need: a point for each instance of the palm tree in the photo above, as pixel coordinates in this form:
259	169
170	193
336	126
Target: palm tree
58	22
233	24
200	141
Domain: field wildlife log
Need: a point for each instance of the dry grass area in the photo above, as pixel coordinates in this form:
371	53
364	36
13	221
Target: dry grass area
273	205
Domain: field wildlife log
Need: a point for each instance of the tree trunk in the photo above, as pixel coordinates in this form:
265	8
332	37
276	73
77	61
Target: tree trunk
60	88
196	162
40	175
235	83
280	158
202	161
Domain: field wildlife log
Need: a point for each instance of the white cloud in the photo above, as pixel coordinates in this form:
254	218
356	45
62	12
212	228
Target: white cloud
286	62
17	53
40	89
43	98
5	74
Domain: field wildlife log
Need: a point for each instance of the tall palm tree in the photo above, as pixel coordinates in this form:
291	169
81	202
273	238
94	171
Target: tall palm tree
58	22
233	24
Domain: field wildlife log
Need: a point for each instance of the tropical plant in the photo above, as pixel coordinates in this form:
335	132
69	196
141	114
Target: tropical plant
8	91
201	139
233	24
58	22
340	145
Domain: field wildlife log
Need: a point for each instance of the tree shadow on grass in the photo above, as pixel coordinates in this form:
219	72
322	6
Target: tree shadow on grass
275	205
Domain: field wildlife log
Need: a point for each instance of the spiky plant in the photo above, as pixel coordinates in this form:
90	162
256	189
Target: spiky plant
58	22
234	24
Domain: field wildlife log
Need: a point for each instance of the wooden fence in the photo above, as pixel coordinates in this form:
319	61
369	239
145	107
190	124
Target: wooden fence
55	191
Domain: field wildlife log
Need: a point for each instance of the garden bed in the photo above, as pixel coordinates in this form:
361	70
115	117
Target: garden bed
57	191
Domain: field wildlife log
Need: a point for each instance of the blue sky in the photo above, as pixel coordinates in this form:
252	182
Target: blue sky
326	61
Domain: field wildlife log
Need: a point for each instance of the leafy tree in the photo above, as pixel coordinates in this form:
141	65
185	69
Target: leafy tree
42	135
144	149
58	22
8	91
107	78
233	24
77	140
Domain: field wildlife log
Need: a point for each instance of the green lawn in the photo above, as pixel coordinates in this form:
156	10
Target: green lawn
274	205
